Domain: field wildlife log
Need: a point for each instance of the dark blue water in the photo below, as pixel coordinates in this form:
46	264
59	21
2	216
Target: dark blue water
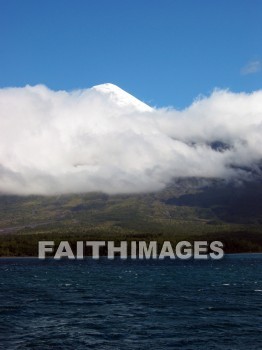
131	304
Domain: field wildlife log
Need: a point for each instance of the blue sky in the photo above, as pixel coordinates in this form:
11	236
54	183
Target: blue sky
165	52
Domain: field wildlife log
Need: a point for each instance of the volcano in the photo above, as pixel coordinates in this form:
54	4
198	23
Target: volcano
121	98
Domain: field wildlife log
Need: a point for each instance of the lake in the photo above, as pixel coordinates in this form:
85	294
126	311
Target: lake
147	304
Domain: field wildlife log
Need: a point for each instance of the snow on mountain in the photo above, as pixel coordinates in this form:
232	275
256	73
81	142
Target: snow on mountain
121	97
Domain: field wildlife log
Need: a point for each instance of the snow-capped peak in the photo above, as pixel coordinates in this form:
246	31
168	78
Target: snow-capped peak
121	97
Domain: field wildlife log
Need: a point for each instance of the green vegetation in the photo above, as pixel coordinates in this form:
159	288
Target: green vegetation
189	210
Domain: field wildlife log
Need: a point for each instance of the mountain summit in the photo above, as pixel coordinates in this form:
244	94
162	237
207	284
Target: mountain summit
121	97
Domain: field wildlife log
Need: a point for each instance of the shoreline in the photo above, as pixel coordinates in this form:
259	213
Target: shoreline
117	257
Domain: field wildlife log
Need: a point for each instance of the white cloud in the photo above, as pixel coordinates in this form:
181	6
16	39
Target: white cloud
62	142
252	67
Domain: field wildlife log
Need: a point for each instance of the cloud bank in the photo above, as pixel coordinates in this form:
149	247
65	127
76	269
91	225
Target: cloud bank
54	142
